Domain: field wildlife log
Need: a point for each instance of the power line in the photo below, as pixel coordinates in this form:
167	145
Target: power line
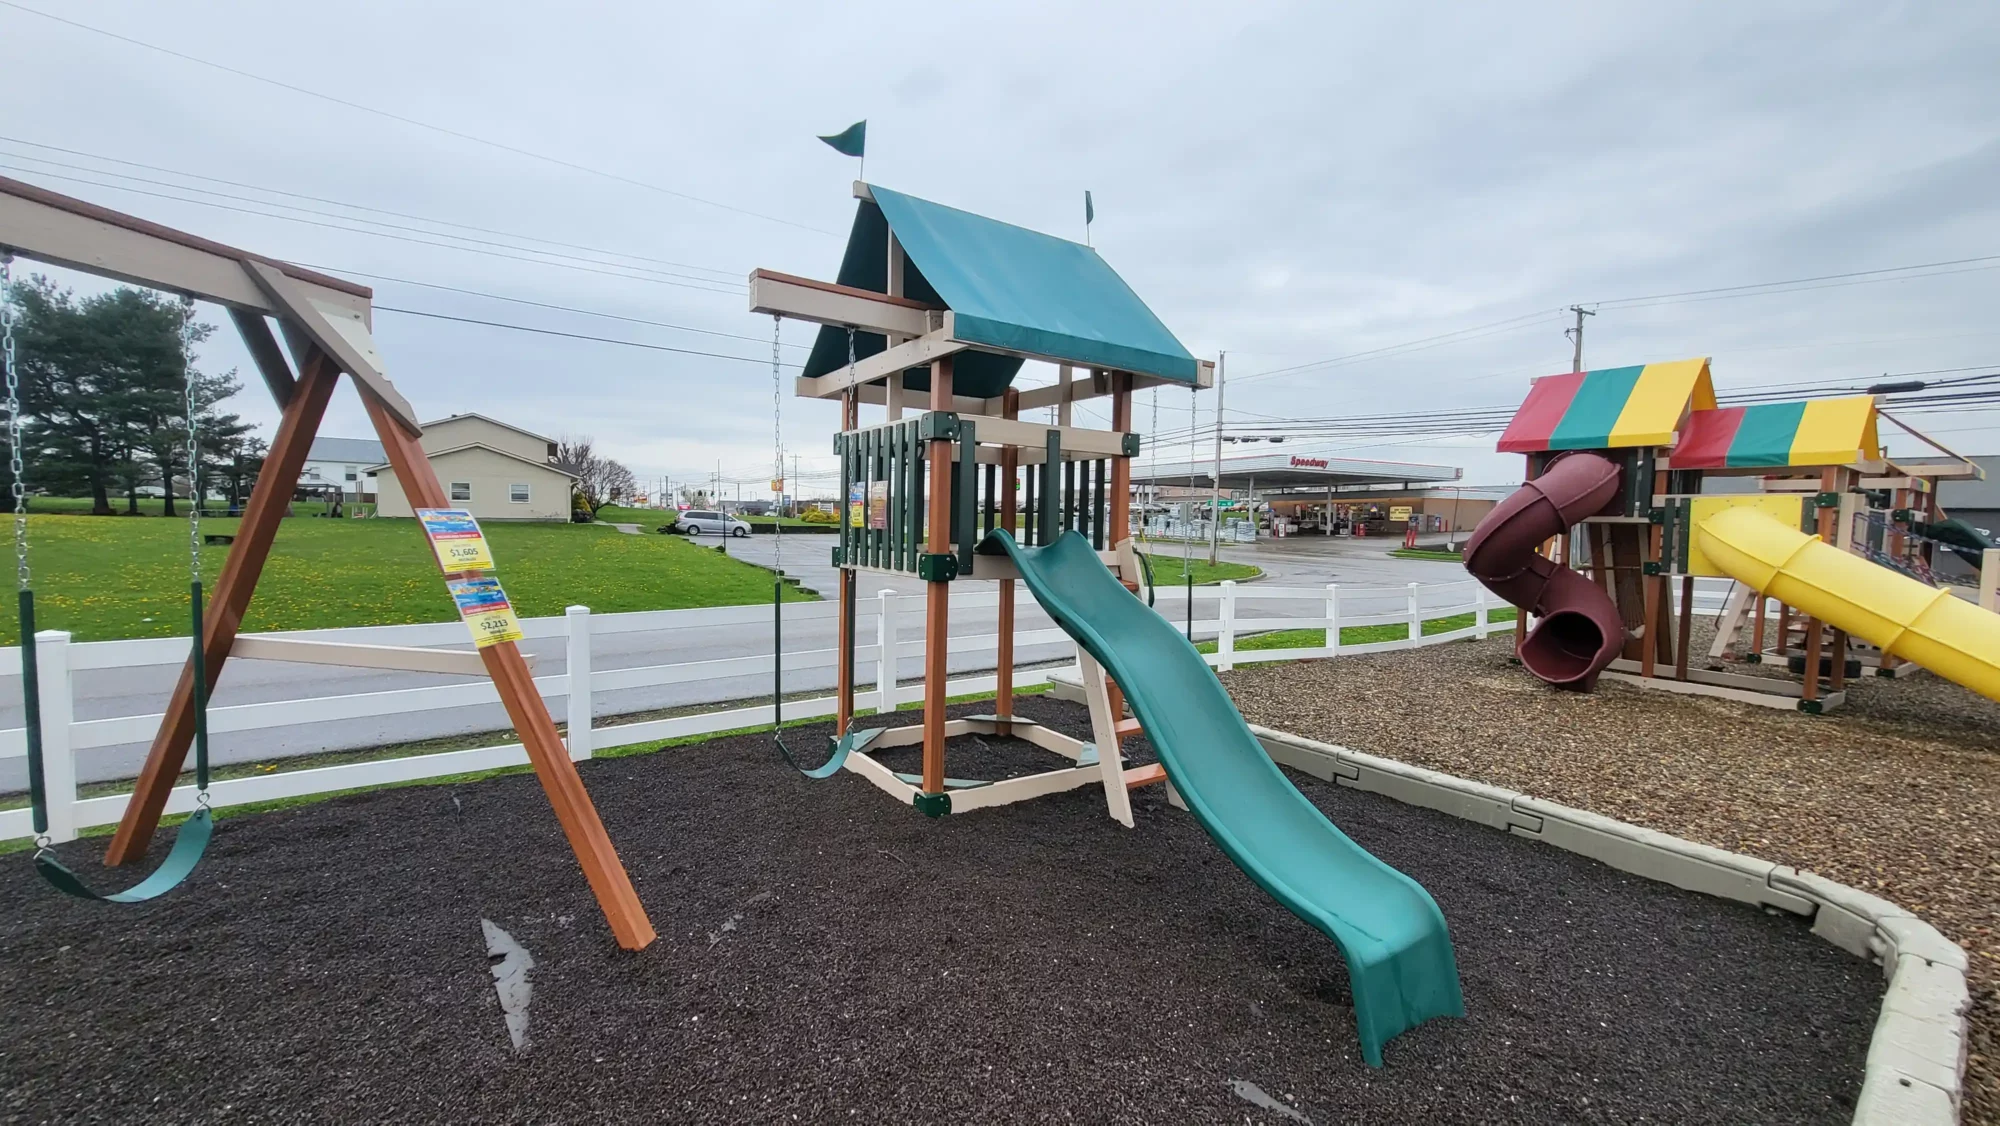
337	215
727	275
1616	301
338	271
599	269
397	117
1457	336
568	335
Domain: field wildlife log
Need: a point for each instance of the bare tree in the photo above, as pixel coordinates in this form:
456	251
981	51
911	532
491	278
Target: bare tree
619	484
600	480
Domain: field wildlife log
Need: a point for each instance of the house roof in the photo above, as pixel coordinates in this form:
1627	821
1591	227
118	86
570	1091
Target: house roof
440	455
491	419
346	449
1610	408
1009	288
1814	432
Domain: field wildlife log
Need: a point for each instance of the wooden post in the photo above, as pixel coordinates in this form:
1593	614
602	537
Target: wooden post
1520	613
226	604
843	646
1687	625
1757	628
937	595
1655	591
1812	659
1119	512
560	781
1003	661
1831	480
1600	557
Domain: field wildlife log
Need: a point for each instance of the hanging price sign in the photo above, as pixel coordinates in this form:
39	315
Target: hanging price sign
485	609
455	539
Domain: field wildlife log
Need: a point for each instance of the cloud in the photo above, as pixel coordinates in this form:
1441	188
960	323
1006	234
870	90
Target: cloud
1287	182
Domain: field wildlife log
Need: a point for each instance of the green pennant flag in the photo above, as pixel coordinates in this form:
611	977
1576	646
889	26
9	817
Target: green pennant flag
851	141
1089	210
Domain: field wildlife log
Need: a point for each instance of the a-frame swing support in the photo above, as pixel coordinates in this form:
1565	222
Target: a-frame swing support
326	321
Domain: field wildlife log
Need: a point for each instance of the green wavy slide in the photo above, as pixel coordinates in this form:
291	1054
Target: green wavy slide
1399	956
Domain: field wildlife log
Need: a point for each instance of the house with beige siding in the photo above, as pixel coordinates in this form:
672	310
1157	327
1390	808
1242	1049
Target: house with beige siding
497	470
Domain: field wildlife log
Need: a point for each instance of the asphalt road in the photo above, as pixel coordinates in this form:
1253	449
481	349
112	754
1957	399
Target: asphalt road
101	694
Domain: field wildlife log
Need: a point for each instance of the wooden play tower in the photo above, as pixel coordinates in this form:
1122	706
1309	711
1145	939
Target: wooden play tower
932	316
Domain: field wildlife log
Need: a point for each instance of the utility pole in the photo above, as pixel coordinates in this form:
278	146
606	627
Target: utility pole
1576	334
1215	484
793	485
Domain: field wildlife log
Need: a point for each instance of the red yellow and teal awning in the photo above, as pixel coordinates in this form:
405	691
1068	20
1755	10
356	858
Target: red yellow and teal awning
1817	432
1610	408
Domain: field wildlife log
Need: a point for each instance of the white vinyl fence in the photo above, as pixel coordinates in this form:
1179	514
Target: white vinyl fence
1240	610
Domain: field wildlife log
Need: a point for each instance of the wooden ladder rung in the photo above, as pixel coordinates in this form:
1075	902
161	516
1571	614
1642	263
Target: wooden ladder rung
1144	775
1126	727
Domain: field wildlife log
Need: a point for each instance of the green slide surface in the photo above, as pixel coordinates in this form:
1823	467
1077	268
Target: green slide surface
1398	951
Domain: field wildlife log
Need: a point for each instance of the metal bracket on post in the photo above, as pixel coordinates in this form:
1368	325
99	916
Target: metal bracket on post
939	426
1129	445
932	805
937	567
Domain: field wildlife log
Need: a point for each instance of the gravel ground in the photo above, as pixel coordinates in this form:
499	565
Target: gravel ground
1897	793
827	955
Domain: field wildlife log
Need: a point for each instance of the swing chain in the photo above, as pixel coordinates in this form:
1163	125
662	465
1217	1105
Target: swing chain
777	450
193	439
14	464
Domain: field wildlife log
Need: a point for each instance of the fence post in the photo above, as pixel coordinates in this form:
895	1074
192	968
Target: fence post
58	753
1332	620
1225	638
885	652
1989	579
1416	619
1479	614
577	621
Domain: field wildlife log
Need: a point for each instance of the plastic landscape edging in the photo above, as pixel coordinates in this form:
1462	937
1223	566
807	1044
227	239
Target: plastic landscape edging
1916	1057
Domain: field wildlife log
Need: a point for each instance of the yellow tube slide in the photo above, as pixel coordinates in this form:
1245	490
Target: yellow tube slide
1906	618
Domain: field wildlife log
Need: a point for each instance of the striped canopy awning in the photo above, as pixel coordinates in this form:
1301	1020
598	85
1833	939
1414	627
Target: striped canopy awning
1610	408
1815	432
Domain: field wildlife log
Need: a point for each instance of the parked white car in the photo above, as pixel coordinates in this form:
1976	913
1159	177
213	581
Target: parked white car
707	523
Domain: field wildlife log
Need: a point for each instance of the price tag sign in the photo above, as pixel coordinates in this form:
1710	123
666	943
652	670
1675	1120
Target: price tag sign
857	505
456	539
486	611
878	505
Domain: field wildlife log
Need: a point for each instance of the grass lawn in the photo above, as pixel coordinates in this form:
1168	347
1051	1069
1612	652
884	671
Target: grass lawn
1167	570
1355	635
1420	553
648	519
152	506
103	578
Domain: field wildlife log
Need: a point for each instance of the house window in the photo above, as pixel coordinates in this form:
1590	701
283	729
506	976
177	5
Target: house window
517	493
461	490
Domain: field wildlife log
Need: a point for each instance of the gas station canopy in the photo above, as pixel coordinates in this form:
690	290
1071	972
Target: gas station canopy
1306	474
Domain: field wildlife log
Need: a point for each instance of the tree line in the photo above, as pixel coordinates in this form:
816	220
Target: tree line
103	405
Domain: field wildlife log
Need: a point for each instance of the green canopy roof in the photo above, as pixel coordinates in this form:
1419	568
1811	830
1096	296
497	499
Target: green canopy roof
1008	288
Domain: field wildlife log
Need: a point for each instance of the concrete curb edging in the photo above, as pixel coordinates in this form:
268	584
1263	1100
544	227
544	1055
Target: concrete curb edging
1916	1057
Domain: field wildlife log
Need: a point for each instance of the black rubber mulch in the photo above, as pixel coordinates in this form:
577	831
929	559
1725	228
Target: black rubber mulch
827	955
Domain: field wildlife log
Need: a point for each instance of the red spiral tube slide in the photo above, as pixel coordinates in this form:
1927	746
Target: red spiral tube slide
1580	631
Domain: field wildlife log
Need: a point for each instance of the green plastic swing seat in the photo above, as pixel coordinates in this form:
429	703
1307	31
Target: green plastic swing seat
179	864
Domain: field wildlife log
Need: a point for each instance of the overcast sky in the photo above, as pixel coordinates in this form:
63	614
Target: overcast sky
1289	183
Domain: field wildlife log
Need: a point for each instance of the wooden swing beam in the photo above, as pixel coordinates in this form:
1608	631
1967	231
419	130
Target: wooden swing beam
326	321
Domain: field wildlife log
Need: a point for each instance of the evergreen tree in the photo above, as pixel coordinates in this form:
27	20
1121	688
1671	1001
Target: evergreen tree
103	399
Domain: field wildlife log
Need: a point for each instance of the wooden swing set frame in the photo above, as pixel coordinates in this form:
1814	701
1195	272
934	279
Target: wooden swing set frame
326	323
